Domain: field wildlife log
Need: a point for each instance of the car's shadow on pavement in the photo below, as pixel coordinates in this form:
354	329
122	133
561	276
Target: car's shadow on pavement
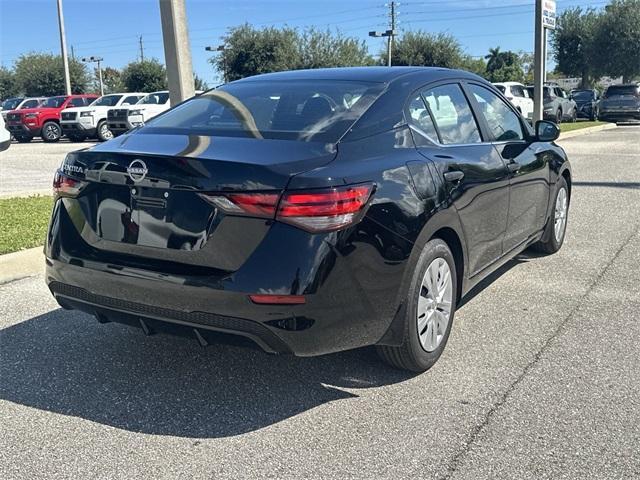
65	362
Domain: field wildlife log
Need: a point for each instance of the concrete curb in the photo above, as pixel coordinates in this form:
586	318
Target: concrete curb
585	131
22	264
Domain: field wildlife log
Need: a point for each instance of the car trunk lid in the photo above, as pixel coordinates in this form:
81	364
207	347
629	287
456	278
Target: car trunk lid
143	193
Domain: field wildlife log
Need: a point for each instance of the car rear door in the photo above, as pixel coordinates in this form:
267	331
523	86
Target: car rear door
527	165
476	177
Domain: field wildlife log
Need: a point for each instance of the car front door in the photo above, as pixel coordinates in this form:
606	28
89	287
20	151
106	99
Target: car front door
526	162
476	177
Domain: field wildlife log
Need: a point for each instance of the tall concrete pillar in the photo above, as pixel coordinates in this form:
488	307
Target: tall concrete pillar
177	50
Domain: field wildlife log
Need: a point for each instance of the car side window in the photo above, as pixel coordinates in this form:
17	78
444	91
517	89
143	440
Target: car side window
131	100
76	102
517	91
503	122
421	118
452	114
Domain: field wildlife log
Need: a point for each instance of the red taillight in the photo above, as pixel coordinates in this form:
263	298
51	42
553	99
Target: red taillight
324	210
66	186
320	210
259	204
278	299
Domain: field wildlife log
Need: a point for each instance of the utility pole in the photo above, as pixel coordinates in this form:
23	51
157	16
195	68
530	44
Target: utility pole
97	60
391	33
73	53
63	48
390	42
177	52
141	50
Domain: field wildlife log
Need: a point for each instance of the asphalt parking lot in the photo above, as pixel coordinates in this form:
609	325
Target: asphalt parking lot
540	379
28	167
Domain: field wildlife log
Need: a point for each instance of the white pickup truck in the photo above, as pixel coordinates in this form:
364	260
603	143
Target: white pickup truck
80	123
121	120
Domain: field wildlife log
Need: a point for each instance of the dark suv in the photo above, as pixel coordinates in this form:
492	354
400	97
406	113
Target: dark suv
586	102
310	211
620	103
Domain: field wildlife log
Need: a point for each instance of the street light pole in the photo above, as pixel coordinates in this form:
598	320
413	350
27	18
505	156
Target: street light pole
538	64
389	34
96	60
220	48
63	48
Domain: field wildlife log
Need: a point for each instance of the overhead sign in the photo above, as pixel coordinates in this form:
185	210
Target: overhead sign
549	14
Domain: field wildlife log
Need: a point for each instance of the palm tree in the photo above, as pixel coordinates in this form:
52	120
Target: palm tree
494	59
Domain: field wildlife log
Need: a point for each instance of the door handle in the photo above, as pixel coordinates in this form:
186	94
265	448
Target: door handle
453	176
513	167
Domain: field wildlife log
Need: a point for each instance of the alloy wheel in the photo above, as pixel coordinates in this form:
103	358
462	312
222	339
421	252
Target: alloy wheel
51	131
105	133
560	215
434	304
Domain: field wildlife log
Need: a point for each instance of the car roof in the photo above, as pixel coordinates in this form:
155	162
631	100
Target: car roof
365	74
507	83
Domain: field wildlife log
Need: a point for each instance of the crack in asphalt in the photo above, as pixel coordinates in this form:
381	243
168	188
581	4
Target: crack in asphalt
458	458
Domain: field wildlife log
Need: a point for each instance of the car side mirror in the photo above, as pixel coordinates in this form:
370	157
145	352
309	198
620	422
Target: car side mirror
546	131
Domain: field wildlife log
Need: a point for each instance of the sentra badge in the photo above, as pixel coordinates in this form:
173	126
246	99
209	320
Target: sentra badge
137	170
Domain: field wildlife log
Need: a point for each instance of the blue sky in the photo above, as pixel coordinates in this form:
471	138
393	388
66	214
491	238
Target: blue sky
110	28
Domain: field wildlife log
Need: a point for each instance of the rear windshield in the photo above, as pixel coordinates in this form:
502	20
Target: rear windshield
11	103
546	92
155	99
501	88
303	110
583	95
106	101
622	90
54	102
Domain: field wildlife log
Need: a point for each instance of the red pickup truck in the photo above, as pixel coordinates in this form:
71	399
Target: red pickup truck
44	121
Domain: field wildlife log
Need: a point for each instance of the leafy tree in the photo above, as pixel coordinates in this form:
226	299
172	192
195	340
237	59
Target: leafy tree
322	49
426	49
617	41
474	65
42	74
112	80
494	59
574	44
250	51
504	66
526	60
199	83
145	76
8	86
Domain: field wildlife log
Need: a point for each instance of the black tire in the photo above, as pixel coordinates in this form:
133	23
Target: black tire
594	115
559	116
23	138
100	131
550	243
51	132
410	355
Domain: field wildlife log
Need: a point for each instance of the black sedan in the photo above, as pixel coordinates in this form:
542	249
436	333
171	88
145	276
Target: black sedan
309	211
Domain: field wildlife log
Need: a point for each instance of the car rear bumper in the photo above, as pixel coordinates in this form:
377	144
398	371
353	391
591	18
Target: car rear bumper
619	116
350	289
